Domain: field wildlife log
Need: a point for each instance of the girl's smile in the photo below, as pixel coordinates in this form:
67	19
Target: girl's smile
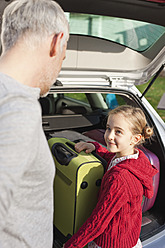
110	142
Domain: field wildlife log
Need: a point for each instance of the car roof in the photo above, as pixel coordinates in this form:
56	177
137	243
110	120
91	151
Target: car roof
152	11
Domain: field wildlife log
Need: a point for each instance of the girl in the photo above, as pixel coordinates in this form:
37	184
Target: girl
116	220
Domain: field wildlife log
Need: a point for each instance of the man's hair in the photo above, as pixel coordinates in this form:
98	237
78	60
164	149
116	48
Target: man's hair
32	21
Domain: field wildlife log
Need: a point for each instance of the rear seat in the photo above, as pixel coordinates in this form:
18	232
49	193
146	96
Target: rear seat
47	105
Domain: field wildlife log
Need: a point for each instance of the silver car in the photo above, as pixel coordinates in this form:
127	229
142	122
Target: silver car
113	47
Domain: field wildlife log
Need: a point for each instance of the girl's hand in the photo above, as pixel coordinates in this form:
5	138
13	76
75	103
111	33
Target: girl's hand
84	146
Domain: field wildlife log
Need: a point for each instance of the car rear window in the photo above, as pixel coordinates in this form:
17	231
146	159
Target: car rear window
136	35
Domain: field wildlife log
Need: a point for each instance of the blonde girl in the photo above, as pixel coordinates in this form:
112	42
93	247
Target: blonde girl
116	220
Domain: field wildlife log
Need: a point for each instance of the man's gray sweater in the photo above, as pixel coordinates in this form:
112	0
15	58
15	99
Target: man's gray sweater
26	169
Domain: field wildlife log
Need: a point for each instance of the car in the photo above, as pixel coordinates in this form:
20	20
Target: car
114	46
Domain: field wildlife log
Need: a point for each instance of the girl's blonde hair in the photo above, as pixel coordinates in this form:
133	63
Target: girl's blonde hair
137	120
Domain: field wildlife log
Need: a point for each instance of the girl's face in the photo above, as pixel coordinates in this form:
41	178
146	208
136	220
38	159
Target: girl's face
118	136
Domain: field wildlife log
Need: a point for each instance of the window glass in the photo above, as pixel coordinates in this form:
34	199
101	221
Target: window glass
78	96
133	34
80	103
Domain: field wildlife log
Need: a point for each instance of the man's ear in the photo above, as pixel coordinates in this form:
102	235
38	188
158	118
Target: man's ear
55	44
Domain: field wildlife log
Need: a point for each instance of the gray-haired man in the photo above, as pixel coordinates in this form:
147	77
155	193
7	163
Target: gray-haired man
34	39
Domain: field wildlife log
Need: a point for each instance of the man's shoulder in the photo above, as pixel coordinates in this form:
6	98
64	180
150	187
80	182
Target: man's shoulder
11	87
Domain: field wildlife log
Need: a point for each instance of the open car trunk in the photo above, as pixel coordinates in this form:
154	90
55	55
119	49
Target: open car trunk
74	119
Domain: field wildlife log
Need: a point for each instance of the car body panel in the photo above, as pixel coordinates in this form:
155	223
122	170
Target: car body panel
93	54
90	53
155	241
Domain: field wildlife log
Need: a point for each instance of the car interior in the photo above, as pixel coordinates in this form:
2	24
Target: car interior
82	116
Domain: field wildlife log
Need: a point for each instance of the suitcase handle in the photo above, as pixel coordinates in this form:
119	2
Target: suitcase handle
103	161
62	153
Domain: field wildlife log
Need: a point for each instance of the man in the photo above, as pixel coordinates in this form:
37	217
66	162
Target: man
34	38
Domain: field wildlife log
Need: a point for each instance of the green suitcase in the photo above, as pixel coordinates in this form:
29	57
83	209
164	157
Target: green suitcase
77	181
